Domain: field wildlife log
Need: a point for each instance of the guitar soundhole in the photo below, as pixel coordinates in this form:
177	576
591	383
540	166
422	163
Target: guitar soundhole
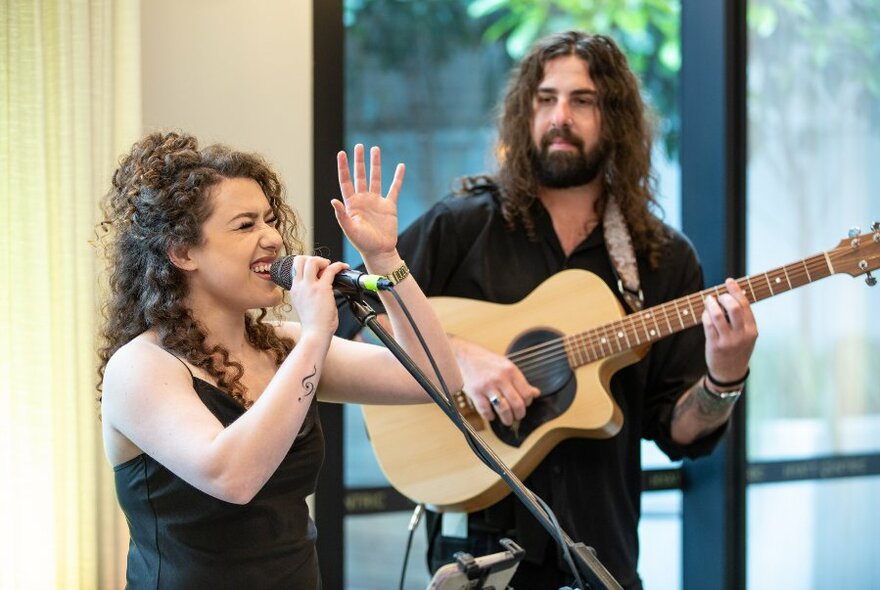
541	357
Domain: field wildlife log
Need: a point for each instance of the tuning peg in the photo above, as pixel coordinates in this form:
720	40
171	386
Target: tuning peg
854	232
875	226
870	280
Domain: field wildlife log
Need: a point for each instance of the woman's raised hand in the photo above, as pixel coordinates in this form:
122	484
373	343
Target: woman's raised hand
368	219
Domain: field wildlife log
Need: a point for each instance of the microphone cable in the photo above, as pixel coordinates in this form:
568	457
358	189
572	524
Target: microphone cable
566	553
456	416
420	508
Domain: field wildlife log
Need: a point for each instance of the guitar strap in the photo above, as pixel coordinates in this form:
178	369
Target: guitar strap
622	254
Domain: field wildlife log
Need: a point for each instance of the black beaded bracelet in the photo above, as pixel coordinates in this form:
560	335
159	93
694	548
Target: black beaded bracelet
718	383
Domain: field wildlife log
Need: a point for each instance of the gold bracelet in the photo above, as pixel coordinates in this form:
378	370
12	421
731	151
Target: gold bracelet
398	275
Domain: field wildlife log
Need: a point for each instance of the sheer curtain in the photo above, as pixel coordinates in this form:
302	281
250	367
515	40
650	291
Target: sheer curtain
69	104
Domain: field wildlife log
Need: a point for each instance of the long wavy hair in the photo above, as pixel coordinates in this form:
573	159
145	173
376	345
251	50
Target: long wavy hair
161	195
625	131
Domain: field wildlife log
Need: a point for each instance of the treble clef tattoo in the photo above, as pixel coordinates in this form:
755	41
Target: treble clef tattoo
308	384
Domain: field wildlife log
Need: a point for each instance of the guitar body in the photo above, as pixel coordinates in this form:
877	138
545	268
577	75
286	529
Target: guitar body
426	457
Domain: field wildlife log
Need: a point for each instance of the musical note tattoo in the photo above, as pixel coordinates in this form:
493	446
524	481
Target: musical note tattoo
308	384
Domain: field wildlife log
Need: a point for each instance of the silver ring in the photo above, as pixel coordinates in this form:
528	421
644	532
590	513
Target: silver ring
494	400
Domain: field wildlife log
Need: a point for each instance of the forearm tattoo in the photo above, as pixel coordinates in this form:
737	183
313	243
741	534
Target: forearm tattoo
707	406
308	384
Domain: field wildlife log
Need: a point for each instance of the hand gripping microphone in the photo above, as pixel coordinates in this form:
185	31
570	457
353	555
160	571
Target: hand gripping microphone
347	281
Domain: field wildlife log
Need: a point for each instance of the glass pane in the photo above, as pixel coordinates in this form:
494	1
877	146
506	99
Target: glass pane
422	81
424	86
374	551
360	468
801	535
814	129
660	540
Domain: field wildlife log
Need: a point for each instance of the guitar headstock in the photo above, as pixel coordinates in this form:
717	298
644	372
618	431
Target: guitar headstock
859	253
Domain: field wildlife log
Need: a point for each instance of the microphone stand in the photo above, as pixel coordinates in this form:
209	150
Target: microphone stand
595	574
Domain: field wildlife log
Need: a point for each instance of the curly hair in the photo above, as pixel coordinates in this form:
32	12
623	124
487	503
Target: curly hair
161	195
625	131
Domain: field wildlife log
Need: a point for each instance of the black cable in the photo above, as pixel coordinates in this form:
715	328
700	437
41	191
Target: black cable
424	344
566	554
455	415
413	524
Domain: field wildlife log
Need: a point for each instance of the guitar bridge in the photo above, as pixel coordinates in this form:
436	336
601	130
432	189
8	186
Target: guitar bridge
467	410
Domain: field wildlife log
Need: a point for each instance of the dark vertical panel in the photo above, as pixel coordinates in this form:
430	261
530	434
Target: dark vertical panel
327	104
713	201
736	121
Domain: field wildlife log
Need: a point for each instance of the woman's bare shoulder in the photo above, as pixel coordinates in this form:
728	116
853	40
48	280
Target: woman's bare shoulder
142	360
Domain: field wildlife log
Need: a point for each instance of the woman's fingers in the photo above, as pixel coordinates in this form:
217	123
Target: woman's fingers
345	187
396	183
360	171
359	183
375	171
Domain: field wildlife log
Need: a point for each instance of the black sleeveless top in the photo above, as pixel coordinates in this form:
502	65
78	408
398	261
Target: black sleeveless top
184	538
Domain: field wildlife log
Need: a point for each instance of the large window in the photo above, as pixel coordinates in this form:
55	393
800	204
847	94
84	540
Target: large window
422	80
814	129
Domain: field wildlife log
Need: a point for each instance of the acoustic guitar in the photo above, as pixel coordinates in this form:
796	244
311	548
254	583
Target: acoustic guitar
561	339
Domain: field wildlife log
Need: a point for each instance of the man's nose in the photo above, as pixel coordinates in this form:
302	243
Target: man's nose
562	114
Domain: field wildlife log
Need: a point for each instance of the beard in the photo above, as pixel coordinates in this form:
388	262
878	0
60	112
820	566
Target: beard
564	169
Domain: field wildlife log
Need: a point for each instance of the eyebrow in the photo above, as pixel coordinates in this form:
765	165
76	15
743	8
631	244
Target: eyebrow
578	92
252	215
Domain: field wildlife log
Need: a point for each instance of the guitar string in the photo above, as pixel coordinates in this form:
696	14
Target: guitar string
601	339
546	361
626	328
553	350
592	340
598	339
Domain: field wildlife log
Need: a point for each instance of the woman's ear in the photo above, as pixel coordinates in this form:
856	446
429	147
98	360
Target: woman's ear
179	257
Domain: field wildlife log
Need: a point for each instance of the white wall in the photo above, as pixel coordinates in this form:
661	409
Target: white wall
237	72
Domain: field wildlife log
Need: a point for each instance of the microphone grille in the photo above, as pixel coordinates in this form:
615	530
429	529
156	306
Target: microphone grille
281	272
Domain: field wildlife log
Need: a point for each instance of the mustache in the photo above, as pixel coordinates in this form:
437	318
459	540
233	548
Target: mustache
564	133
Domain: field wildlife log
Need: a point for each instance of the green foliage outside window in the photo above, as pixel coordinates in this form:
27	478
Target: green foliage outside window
647	31
842	43
403	33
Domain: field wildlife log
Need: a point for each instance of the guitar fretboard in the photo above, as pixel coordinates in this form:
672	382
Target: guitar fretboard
658	322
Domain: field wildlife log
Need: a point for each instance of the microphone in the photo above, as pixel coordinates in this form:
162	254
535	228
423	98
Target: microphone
347	281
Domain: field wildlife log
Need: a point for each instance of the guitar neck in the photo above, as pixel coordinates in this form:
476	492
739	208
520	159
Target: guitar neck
658	322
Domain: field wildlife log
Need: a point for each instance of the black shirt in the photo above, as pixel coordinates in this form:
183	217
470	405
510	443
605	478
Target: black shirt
462	247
